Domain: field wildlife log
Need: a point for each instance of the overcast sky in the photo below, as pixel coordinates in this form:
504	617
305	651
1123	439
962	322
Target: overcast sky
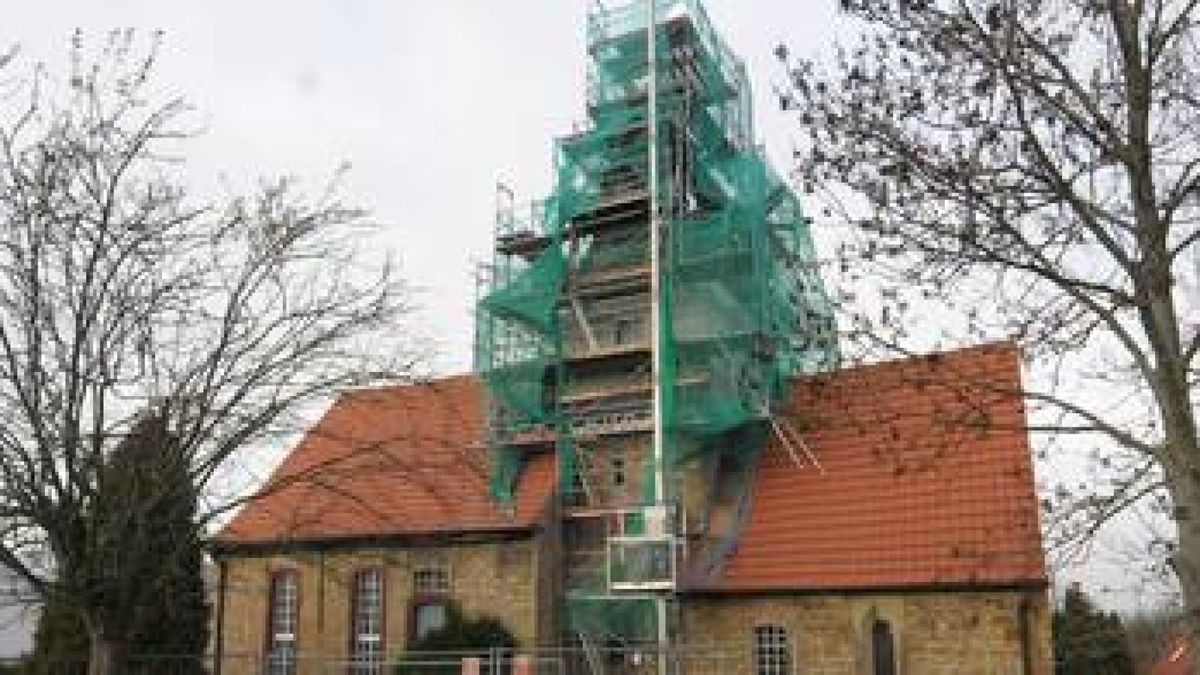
431	101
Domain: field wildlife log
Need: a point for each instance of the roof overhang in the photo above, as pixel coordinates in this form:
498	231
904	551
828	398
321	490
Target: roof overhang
458	537
734	593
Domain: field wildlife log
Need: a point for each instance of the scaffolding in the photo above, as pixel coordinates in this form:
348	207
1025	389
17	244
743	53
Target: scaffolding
584	349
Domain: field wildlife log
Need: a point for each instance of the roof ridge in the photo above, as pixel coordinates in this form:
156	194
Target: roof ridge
1006	345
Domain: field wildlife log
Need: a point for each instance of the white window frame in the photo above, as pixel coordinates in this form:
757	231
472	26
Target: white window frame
431	578
367	641
283	608
772	650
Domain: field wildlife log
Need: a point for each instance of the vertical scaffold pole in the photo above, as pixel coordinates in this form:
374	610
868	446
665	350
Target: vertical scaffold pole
655	253
656	301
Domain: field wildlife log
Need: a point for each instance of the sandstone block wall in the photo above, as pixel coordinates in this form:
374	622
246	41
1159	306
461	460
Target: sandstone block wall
945	633
495	578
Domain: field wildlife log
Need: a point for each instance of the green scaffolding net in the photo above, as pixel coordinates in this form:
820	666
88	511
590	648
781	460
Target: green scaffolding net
742	307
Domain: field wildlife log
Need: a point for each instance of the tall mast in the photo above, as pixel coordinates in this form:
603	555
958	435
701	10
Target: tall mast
656	304
655	253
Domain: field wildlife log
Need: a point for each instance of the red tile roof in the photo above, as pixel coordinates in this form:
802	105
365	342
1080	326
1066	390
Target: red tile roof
927	481
927	478
390	461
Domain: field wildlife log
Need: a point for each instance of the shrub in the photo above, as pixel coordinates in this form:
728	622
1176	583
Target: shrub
463	636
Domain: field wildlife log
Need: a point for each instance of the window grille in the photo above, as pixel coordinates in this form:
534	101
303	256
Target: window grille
431	579
368	606
282	629
772	651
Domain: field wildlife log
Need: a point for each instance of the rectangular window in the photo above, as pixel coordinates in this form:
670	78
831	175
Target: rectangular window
367	606
431	579
622	332
772	653
281	624
428	617
617	468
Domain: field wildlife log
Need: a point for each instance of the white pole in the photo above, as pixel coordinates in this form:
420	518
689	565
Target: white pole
655	227
655	297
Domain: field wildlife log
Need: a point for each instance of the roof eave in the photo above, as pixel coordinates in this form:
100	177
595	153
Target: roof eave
448	537
717	591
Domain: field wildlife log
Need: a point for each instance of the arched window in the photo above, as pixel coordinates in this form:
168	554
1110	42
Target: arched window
366	638
772	650
883	648
281	623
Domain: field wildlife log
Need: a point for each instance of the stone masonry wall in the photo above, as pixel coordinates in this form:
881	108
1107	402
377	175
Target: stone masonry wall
496	579
943	633
959	633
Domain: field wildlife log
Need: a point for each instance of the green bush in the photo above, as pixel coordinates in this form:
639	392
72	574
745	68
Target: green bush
463	636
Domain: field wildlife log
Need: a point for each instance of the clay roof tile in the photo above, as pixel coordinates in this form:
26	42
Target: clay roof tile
927	480
389	461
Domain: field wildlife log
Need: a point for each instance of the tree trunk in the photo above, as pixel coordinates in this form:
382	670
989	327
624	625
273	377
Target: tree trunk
102	654
1187	570
1181	465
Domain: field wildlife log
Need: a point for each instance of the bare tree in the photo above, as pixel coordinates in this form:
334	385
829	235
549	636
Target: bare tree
122	293
1034	162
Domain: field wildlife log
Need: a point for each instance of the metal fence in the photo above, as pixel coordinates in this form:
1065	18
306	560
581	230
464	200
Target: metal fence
600	661
622	661
485	662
